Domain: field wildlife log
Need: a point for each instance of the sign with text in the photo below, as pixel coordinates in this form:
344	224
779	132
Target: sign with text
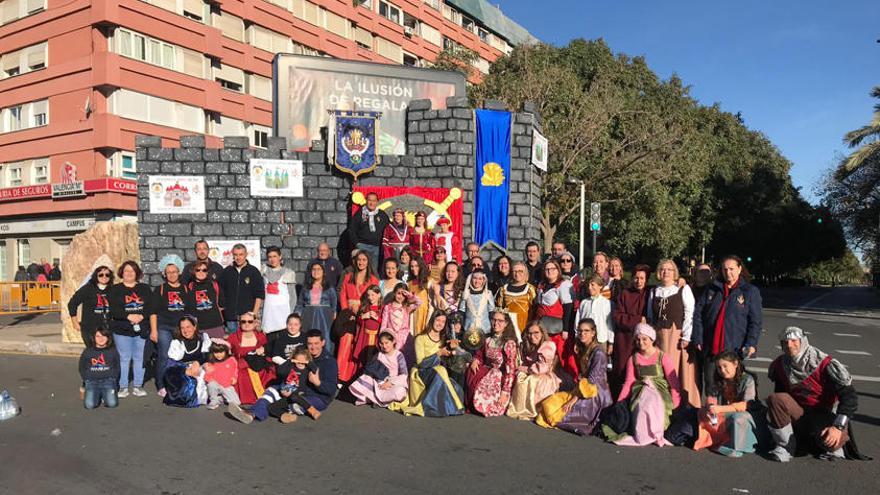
91	186
76	224
220	250
307	87
276	178
539	150
177	194
73	189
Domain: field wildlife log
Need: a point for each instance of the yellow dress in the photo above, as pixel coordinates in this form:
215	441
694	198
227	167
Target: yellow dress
431	392
519	304
423	312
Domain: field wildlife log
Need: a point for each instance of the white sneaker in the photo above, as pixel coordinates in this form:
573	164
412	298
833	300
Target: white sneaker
138	392
123	393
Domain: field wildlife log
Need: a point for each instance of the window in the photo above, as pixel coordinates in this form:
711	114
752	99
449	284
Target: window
14	118
194	9
433	3
449	44
410	60
147	108
127	166
430	34
146	49
40	172
389	50
368	4
390	12
363	38
231	78
11	10
15	176
259	86
259	135
22	61
268	40
24	252
228	24
40	113
337	24
193	63
223	126
483	34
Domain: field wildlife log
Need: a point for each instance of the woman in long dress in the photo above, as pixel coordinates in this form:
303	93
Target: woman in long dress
421	240
491	375
447	293
255	371
366	337
517	296
379	387
397	319
578	410
535	379
421	287
671	311
317	305
354	284
390	274
431	392
396	235
477	304
651	390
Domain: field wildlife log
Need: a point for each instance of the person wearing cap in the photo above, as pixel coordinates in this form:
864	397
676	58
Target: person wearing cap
726	318
651	391
171	300
808	383
447	240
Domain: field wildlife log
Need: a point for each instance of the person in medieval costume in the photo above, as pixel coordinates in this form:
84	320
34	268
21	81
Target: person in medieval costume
396	235
808	383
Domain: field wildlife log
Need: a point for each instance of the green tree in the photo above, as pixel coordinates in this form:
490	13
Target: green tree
458	59
866	139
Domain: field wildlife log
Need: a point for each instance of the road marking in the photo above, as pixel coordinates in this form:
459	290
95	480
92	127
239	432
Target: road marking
761	359
860	378
854	353
846	334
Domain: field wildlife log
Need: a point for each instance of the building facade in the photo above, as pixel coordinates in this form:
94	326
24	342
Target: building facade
79	79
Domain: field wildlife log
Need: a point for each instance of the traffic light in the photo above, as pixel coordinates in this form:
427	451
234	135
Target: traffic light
595	217
819	221
749	259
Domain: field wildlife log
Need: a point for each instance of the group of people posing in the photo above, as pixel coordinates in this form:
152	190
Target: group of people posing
535	340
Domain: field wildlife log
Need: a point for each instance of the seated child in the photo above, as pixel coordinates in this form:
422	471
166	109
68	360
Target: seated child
221	373
286	397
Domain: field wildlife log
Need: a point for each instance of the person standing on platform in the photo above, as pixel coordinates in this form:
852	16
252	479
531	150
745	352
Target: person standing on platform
366	227
241	288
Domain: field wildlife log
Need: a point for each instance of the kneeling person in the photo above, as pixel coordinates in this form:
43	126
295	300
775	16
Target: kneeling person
808	382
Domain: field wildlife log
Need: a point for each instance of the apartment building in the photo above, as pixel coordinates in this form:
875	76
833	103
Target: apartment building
79	79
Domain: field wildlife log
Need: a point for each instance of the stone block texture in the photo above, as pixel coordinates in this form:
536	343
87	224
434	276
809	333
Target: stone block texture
440	154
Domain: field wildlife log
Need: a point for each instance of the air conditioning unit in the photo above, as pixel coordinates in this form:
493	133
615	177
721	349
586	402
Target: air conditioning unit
408	31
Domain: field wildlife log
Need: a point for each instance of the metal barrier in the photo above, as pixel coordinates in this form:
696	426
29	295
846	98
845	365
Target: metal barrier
29	297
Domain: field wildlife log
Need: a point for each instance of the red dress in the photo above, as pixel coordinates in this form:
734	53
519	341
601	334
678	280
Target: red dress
366	337
494	376
393	241
345	356
422	245
250	384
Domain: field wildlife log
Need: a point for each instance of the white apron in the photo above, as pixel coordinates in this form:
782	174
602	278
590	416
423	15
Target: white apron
276	308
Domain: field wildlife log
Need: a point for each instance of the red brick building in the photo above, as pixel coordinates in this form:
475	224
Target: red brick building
80	78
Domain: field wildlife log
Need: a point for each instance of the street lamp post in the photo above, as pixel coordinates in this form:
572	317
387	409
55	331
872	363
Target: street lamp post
581	237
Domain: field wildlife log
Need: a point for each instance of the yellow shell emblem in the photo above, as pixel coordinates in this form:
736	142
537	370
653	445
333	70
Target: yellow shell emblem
493	174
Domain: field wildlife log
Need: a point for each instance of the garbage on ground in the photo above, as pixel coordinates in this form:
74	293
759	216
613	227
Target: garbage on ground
8	406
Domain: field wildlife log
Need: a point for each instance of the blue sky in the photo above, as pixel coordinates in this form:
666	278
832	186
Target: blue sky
799	72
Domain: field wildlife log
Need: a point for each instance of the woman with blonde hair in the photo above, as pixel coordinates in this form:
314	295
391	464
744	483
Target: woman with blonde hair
670	311
535	379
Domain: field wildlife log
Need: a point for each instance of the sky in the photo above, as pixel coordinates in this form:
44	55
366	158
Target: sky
799	71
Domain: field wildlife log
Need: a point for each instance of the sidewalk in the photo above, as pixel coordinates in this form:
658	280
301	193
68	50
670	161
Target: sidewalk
35	334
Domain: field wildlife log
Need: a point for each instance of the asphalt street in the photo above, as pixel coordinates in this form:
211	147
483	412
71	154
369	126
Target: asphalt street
56	446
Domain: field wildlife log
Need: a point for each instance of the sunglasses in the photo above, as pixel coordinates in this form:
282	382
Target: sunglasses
567	261
201	270
499	320
246	322
104	275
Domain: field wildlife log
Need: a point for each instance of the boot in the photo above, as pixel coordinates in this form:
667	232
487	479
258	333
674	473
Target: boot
785	443
314	413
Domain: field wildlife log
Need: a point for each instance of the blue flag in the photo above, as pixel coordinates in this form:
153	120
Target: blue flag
492	177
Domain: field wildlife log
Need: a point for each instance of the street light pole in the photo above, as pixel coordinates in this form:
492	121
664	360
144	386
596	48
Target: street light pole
581	247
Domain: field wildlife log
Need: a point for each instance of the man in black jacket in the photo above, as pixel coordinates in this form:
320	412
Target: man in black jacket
241	288
366	227
201	249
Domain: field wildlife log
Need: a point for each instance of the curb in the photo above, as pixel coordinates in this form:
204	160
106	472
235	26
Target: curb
40	348
825	313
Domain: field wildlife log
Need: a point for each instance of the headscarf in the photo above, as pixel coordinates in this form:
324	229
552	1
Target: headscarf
808	358
646	330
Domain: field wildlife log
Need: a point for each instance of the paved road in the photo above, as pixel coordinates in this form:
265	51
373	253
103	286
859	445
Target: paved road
144	447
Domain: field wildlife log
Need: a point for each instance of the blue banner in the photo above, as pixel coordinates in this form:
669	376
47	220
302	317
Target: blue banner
492	178
355	141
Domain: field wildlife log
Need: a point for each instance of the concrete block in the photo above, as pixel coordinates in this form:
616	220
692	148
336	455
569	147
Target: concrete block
238	217
236	142
216	168
457	102
193	141
187	154
230	155
160	154
237	229
149	167
218	217
193	168
238	168
153	141
211	154
415	105
207	229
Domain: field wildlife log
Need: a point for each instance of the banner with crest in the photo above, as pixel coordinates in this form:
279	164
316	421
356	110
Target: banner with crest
354	150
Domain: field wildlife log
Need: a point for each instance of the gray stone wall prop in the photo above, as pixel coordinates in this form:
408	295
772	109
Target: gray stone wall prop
440	154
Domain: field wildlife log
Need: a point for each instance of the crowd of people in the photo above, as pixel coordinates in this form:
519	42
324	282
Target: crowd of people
40	271
409	328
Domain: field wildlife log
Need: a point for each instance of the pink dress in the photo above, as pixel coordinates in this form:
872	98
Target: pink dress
655	391
535	384
366	388
396	320
494	377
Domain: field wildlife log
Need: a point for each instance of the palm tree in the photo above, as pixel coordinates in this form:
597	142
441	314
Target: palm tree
866	139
